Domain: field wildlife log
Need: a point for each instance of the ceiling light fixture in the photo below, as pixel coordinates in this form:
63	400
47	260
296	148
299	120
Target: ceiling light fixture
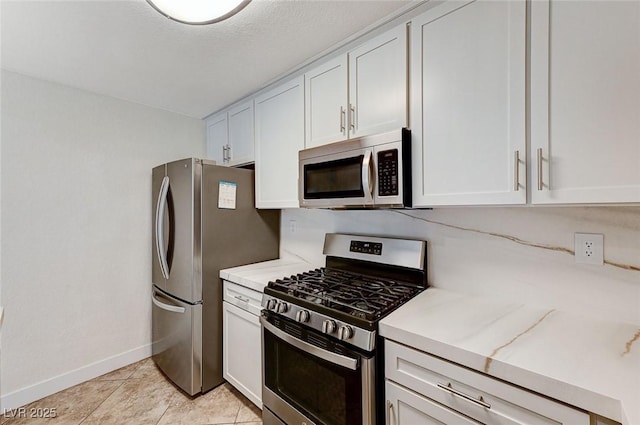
198	12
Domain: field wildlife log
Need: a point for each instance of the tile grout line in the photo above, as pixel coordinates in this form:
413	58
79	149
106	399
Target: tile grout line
235	421
102	402
112	392
167	409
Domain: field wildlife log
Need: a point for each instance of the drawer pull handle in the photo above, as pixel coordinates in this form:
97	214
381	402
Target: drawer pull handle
390	412
516	171
243	299
478	401
539	163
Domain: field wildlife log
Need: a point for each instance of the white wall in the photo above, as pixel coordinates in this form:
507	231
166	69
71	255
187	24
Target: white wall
518	254
76	231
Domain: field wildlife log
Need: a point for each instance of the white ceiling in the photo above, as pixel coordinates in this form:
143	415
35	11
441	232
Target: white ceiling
125	49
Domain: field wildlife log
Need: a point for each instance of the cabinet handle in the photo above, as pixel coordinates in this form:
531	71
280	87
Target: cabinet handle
516	171
478	401
243	299
389	412
352	117
228	153
343	114
225	156
539	152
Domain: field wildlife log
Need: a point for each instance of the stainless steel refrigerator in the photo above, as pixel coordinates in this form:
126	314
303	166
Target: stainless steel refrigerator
204	220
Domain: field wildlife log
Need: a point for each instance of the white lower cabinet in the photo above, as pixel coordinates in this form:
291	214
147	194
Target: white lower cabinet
242	353
437	391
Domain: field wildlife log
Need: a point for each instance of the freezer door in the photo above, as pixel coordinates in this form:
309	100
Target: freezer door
177	340
176	229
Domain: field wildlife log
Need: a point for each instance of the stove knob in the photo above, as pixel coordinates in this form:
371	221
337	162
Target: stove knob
302	316
329	326
282	307
345	332
271	304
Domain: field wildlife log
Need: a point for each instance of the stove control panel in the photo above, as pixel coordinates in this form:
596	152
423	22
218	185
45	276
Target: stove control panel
328	325
373	248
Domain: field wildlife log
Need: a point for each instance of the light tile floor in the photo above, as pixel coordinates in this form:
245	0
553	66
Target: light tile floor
138	394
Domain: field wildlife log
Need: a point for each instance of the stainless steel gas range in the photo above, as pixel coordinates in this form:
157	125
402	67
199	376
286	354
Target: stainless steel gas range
322	356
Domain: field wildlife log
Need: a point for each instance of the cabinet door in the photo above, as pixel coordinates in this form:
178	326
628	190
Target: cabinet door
378	84
405	407
242	355
279	137
468	104
241	134
217	137
585	101
326	103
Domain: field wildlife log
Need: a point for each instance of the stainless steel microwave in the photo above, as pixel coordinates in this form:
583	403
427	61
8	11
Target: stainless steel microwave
367	172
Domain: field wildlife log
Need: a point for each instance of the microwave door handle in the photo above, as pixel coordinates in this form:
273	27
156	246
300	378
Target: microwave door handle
367	172
159	228
334	358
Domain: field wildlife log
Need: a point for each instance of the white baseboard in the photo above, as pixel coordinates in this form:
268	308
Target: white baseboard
61	382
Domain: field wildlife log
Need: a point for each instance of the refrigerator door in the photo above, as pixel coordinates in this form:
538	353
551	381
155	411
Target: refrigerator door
234	233
177	340
176	229
160	229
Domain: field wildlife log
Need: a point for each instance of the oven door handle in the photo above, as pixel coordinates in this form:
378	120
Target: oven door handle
334	358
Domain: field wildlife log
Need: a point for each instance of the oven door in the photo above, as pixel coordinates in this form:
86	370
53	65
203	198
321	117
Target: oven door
310	378
337	180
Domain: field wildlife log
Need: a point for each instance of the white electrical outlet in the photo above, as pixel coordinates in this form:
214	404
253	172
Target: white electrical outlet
589	248
292	226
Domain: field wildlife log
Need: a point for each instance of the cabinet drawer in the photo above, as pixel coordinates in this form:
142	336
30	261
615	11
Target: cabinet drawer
405	407
478	396
240	296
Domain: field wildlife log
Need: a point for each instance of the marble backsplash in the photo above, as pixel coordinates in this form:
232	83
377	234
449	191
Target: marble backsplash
519	254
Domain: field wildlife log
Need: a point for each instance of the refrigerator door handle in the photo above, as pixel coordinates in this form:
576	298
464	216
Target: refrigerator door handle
160	207
172	308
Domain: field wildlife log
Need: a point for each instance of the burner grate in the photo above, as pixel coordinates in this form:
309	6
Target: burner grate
367	297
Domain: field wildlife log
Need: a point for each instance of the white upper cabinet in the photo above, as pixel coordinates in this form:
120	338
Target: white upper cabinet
378	84
585	101
360	93
326	103
217	137
230	139
241	139
279	130
468	99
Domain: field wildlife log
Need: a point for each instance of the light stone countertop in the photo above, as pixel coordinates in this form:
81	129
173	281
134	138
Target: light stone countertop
256	276
587	363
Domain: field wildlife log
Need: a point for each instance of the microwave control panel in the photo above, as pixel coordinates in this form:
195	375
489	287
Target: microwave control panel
388	173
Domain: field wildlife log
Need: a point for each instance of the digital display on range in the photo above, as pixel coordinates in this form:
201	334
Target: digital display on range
373	248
